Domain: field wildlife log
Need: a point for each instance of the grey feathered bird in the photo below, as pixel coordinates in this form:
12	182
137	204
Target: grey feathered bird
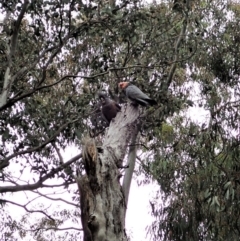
135	94
109	107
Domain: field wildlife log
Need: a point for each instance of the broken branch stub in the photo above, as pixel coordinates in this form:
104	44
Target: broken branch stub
101	192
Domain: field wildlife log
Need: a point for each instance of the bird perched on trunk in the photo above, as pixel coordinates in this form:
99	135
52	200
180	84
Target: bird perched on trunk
135	94
109	107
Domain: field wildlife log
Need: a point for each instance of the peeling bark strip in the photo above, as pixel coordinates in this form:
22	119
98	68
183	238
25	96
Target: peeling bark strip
102	200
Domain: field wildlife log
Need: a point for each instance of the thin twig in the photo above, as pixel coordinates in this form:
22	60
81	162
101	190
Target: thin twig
25	208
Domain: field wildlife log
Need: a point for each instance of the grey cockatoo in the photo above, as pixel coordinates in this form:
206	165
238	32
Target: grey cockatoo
135	94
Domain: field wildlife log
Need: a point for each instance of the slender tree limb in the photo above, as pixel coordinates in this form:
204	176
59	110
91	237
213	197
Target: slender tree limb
175	60
58	153
9	180
8	80
3	164
6	84
58	185
54	199
32	200
61	23
39	183
53	228
28	210
17	27
131	164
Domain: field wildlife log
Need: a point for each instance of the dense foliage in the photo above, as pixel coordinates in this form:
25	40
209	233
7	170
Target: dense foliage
197	163
56	55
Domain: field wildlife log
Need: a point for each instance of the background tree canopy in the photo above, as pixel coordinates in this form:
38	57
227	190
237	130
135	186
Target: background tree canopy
56	55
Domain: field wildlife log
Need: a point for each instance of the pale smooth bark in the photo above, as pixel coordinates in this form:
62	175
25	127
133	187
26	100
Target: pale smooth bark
103	205
10	51
131	164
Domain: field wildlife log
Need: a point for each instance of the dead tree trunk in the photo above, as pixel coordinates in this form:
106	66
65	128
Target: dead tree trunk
102	198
